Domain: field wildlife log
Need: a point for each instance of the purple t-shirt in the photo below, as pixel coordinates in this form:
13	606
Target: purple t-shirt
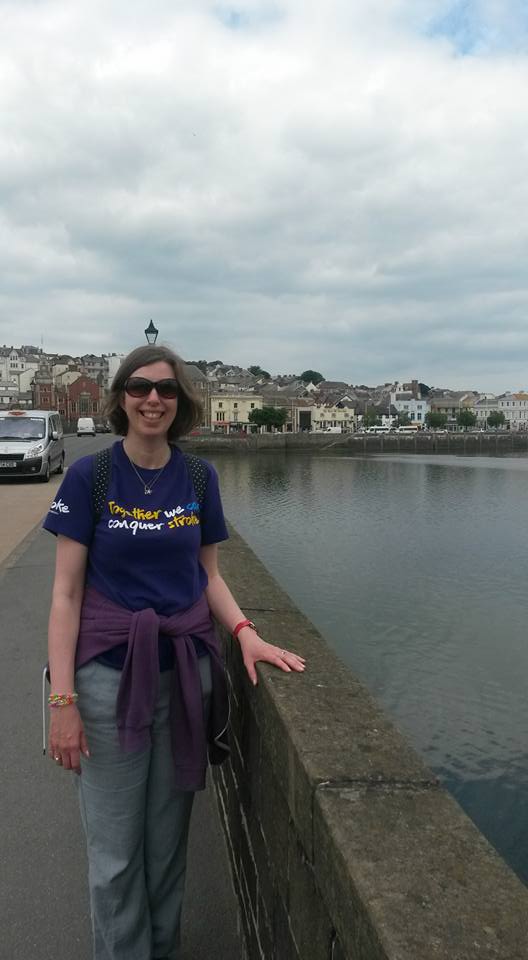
145	548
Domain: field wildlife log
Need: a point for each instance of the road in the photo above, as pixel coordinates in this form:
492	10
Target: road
43	898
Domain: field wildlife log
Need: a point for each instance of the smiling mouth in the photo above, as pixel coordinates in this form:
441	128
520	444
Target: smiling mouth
151	414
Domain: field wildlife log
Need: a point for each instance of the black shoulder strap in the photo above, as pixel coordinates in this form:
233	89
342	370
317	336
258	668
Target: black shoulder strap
102	473
199	476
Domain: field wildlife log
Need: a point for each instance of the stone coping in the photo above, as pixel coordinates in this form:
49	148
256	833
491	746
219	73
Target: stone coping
403	872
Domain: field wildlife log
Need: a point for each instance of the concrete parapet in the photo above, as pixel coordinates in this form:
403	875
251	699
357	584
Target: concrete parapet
342	843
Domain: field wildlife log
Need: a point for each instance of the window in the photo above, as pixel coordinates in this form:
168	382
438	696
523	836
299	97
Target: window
221	415
252	405
220	405
235	405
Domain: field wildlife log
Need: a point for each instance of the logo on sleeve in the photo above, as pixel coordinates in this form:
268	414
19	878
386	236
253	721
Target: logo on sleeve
59	507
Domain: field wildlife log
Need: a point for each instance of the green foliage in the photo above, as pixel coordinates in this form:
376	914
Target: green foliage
434	420
496	419
311	376
403	418
371	418
201	364
466	418
269	417
259	372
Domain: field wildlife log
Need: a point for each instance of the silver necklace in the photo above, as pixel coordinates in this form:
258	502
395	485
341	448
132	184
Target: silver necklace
147	487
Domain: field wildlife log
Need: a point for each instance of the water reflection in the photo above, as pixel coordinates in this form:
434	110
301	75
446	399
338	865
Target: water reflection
414	569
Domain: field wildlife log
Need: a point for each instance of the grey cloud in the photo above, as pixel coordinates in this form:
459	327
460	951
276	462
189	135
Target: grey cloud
282	190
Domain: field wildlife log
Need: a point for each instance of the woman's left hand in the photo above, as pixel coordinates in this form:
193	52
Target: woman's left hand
254	648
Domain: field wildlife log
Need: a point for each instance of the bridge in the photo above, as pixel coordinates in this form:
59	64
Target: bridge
324	838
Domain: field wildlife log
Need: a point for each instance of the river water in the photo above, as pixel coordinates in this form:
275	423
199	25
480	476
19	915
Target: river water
415	571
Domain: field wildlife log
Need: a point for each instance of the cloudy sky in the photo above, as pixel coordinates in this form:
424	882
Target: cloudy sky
337	184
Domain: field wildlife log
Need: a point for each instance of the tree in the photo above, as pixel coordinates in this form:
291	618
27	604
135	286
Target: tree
259	372
201	364
466	418
311	376
496	419
269	417
371	417
403	418
435	420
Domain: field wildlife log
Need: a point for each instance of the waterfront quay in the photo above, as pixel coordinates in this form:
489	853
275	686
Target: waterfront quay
424	442
341	842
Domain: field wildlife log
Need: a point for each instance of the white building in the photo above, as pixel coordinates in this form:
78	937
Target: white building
25	379
405	402
11	364
58	368
514	406
67	377
112	363
333	417
9	392
483	407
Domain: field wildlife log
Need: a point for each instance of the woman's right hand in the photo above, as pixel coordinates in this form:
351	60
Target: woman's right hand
66	737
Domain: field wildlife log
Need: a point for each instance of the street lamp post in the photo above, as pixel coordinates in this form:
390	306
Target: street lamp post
151	334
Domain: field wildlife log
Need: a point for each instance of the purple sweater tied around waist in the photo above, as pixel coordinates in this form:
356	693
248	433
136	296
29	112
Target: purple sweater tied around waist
105	624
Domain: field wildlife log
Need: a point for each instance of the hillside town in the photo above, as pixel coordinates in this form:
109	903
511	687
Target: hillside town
77	386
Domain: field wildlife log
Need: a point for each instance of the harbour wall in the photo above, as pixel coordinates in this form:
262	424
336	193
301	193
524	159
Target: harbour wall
459	444
342	843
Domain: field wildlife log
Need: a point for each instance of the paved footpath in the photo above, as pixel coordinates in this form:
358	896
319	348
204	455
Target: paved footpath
43	897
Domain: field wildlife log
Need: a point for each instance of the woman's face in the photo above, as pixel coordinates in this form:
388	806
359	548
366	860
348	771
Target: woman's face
151	415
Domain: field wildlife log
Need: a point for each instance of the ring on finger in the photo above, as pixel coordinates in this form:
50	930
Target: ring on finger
284	653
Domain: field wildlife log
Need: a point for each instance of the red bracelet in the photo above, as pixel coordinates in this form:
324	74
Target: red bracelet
240	626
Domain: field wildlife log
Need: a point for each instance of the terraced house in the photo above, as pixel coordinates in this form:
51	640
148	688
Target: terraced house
230	411
514	406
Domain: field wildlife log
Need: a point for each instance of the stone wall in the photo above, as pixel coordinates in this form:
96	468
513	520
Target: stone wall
343	846
481	444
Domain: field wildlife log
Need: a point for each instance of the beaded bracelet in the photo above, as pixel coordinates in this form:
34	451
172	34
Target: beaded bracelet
62	699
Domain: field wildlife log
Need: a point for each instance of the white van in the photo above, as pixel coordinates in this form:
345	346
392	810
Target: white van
85	427
31	443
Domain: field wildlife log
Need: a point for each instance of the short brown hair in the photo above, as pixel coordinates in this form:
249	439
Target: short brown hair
190	409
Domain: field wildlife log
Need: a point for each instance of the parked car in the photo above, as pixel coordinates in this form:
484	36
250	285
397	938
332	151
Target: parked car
85	427
31	443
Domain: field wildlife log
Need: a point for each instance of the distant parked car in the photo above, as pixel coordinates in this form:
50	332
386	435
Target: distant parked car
85	427
31	443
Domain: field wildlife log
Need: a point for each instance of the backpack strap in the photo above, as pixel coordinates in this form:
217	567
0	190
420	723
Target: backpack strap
102	473
199	476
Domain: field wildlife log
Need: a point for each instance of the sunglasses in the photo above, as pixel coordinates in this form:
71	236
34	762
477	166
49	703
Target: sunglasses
141	387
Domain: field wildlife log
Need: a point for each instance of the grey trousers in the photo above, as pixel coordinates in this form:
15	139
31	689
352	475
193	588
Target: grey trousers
136	824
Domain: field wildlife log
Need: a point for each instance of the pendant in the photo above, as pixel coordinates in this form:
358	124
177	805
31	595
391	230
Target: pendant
147	491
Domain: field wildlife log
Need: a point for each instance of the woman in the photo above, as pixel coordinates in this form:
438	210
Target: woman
138	692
